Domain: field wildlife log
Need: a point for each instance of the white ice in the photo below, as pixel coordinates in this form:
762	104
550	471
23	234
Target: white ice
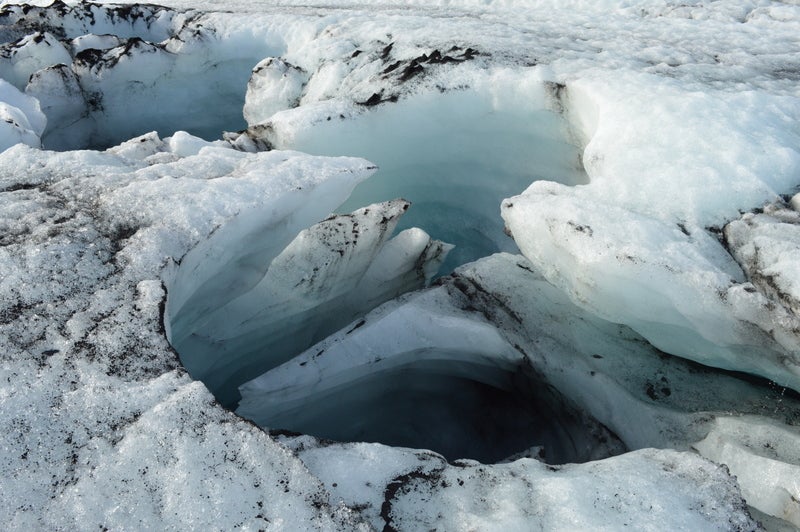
22	118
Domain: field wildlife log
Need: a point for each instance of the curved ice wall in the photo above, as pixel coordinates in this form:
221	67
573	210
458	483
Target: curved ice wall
261	290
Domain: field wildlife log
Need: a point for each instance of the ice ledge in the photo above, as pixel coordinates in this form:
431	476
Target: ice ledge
103	427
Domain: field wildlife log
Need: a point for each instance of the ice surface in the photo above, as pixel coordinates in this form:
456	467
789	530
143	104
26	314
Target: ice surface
767	245
96	385
414	365
274	85
603	381
167	66
649	151
677	287
764	457
425	492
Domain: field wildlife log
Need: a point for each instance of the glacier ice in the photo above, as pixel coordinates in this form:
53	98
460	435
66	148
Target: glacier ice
85	259
327	275
602	387
489	141
23	120
636	165
416	373
423	491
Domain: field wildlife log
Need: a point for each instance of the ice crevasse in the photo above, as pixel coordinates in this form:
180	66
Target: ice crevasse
298	266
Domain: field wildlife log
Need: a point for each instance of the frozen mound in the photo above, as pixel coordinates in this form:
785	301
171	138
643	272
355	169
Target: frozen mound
509	265
424	492
767	246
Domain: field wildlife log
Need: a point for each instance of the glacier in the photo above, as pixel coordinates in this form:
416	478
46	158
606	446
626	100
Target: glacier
438	265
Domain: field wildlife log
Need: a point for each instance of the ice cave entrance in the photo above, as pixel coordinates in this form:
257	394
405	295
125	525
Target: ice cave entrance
455	155
461	405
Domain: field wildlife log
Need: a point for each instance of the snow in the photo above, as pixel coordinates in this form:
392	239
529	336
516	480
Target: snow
630	357
275	85
766	245
512	496
31	54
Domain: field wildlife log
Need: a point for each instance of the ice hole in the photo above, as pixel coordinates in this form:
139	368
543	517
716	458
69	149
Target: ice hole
458	408
456	155
106	74
200	95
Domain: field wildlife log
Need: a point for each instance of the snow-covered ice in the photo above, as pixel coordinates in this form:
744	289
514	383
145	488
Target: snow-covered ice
270	199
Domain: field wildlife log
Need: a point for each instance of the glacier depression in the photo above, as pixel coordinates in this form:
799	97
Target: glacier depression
435	265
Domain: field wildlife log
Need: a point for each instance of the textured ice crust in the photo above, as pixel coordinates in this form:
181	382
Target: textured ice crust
649	152
101	427
90	66
424	492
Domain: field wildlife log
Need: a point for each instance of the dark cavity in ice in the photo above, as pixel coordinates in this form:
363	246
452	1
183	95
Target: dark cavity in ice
456	408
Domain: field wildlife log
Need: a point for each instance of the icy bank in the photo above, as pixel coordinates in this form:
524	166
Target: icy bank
269	303
640	245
